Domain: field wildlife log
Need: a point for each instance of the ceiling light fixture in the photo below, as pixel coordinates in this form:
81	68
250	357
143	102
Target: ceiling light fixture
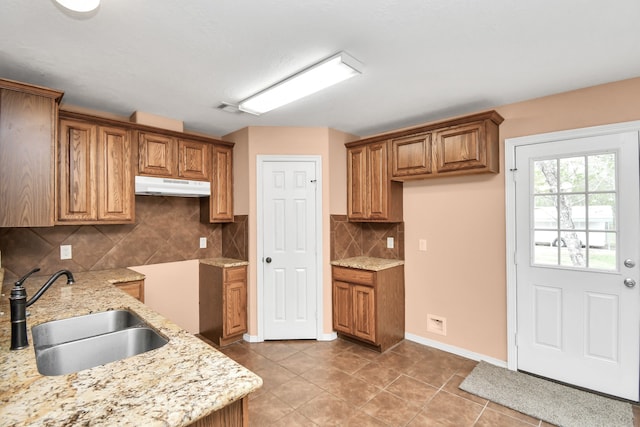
79	5
319	76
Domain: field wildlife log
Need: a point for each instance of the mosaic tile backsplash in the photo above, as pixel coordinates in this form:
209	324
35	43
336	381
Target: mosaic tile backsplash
167	229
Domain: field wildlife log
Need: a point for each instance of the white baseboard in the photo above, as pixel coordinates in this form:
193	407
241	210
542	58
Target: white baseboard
251	338
328	337
455	350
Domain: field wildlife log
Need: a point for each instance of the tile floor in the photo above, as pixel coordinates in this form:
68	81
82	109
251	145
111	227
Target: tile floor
309	383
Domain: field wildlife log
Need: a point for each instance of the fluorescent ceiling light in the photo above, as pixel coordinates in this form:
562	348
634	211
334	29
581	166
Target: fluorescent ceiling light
80	5
325	73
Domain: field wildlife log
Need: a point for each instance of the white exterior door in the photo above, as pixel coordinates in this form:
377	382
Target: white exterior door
577	238
290	253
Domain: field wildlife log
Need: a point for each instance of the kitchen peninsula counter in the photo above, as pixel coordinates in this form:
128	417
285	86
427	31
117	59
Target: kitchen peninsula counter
175	385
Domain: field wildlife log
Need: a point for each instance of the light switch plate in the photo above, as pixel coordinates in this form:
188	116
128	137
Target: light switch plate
390	242
203	243
422	245
65	252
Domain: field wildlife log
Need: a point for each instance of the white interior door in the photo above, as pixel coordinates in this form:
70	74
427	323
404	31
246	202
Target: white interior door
577	228
289	254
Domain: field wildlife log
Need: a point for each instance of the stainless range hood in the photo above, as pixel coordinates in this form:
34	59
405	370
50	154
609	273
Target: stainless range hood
155	186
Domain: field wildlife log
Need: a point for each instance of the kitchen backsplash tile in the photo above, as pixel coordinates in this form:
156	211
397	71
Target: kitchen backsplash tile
351	239
166	229
235	238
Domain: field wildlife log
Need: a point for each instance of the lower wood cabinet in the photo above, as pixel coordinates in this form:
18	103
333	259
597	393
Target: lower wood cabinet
223	303
135	288
369	305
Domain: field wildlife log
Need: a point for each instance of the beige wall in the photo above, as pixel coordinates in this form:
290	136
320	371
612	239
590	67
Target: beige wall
462	276
254	141
172	289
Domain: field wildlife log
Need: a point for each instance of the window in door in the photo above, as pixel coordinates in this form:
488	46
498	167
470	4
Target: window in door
574	211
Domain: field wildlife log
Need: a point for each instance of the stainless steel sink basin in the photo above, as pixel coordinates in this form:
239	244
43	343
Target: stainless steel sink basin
75	328
71	345
90	352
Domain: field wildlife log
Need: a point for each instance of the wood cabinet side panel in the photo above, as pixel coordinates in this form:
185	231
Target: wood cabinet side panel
134	288
236	414
27	169
390	306
210	301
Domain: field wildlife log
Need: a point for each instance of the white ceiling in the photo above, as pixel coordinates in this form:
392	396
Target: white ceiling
423	59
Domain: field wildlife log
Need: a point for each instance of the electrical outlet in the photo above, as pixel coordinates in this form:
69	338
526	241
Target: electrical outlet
203	243
436	324
422	245
65	252
390	242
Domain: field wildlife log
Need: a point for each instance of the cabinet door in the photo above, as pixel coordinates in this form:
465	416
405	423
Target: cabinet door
77	190
357	182
461	147
194	160
157	154
411	155
364	313
342	307
115	175
235	306
221	200
377	181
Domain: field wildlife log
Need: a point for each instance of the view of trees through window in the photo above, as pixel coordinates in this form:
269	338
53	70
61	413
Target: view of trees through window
574	200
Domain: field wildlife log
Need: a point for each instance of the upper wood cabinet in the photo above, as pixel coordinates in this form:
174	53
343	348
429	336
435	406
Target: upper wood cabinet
28	118
194	160
411	155
219	207
371	195
95	174
467	145
156	154
162	155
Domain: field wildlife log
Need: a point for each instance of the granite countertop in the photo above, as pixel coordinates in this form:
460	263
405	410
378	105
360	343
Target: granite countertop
172	386
367	263
224	262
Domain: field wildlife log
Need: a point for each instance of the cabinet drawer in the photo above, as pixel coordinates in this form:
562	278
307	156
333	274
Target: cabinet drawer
352	275
235	274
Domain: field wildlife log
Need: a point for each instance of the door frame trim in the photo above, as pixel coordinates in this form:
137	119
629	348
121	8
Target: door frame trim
260	160
510	177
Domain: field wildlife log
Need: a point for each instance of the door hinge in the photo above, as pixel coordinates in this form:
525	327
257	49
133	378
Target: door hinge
516	338
515	257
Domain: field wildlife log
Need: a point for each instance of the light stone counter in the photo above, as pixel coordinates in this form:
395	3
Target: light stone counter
367	263
172	386
224	262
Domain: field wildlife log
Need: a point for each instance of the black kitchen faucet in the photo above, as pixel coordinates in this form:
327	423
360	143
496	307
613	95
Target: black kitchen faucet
19	304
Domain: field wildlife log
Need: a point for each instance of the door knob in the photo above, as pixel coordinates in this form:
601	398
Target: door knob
268	261
629	282
629	263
